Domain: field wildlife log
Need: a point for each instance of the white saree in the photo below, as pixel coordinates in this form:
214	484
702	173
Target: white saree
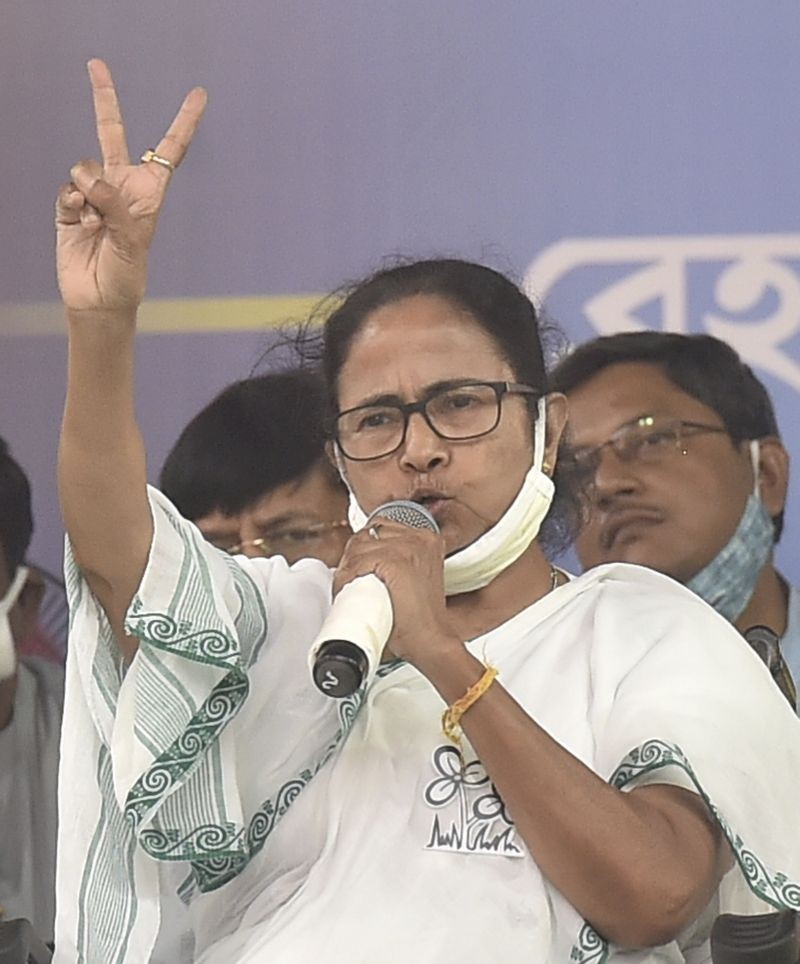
215	807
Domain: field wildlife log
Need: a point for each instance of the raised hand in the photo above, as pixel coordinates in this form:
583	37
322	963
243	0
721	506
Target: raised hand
106	216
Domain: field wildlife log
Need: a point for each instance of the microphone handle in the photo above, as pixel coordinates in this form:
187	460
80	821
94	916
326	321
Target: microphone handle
350	644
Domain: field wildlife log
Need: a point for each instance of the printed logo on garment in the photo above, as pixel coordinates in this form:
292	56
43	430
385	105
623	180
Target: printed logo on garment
471	817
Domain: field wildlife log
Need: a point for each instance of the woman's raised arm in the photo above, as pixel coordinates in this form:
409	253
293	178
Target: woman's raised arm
105	221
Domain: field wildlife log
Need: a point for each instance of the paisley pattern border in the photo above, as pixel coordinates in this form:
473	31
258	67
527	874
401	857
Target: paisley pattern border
212	872
774	888
217	852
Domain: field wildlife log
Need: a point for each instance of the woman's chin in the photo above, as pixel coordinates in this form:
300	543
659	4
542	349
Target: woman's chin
456	539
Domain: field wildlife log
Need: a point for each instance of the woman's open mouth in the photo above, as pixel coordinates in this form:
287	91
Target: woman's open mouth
434	502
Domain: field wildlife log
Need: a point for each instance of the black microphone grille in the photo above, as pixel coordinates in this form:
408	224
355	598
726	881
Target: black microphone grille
761	937
407	513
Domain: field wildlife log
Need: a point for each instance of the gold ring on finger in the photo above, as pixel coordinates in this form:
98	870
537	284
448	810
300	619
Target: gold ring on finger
150	155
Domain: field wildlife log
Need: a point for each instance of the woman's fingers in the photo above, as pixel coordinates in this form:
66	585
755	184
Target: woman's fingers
73	204
103	201
110	128
85	174
69	203
393	544
90	216
174	144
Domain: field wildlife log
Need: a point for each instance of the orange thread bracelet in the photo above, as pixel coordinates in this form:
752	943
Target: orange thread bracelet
451	718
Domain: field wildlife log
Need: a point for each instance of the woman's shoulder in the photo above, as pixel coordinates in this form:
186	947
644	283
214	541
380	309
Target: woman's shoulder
636	585
627	573
633	602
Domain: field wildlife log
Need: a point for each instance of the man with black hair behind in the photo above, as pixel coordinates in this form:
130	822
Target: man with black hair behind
31	702
250	471
688	476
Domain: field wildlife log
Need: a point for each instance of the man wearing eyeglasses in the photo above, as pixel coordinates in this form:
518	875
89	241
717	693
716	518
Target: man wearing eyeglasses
250	471
687	475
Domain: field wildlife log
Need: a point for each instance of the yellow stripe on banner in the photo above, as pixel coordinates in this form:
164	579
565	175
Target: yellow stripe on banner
161	315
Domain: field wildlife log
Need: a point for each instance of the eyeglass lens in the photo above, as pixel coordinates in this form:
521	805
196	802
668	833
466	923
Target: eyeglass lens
455	413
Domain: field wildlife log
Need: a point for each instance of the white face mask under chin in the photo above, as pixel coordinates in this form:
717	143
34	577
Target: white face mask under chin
8	653
477	564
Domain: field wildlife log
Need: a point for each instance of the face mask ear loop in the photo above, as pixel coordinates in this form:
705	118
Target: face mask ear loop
355	514
337	457
8	655
755	453
540	433
8	601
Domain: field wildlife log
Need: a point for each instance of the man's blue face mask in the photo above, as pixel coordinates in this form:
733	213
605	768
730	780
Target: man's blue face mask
727	583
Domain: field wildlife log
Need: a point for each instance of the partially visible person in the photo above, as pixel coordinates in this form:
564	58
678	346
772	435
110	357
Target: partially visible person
250	471
689	477
40	644
47	638
31	701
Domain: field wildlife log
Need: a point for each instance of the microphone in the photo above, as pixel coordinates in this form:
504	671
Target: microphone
349	646
767	644
759	938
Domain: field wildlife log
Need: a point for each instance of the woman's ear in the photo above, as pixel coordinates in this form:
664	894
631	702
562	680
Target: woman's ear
557	408
773	474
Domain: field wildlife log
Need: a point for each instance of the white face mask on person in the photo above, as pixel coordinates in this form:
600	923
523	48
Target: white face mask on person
728	582
8	652
477	564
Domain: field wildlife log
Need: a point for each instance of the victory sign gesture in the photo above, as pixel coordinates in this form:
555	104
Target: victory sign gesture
105	221
106	216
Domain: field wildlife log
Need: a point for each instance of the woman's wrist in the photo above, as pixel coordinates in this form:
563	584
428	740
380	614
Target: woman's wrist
451	668
107	318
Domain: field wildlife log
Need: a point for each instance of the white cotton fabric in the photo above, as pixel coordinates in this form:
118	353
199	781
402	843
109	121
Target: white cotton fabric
28	782
383	853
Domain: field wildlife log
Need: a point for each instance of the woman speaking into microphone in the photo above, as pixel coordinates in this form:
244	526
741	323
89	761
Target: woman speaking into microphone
540	769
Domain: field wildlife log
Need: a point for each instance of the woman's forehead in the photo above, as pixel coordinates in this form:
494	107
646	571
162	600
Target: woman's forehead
413	343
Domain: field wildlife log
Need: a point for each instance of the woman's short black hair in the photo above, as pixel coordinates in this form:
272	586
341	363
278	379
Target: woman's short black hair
257	434
702	366
16	515
492	300
499	307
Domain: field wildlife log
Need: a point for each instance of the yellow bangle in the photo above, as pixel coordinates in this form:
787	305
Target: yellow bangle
451	718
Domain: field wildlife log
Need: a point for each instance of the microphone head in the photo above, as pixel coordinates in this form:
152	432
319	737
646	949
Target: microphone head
407	513
772	937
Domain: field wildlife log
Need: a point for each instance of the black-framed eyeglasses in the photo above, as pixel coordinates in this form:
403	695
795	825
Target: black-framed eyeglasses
457	412
649	438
